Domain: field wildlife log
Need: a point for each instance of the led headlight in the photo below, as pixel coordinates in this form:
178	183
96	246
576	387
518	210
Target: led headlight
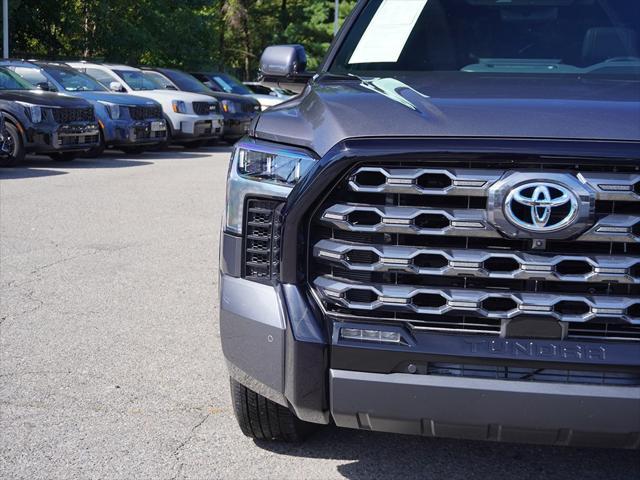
262	169
113	110
33	111
179	106
228	106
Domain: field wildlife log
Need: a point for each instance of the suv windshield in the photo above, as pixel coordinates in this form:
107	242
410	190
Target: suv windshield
186	82
11	81
505	36
73	80
229	84
138	80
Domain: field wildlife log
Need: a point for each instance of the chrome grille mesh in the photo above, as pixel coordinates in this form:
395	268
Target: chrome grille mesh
401	242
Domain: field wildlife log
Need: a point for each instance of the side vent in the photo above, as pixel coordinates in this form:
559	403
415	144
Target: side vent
262	240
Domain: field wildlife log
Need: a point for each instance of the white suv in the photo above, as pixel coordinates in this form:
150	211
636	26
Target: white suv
191	117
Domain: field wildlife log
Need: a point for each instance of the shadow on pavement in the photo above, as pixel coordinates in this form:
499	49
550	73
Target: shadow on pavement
379	455
14	173
78	163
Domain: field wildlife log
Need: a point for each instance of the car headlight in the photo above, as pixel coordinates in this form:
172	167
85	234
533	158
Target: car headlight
179	106
34	112
228	106
262	169
113	110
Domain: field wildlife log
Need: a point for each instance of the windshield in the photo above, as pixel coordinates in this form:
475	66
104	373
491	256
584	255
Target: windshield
187	82
137	80
505	36
11	81
74	81
230	84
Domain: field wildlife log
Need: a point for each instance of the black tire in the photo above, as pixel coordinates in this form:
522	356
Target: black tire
15	147
134	150
261	419
196	144
63	156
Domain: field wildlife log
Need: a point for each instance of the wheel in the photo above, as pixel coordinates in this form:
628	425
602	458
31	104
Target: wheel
197	144
98	149
133	150
63	156
13	151
262	419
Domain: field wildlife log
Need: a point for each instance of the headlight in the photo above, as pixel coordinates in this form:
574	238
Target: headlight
261	169
228	106
179	106
113	110
33	111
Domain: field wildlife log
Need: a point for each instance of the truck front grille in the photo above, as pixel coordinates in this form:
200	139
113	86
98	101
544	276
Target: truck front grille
145	112
205	108
69	115
400	242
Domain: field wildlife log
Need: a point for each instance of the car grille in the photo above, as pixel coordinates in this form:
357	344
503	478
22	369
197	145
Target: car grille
145	113
141	133
250	107
530	374
72	140
205	108
262	240
68	115
400	242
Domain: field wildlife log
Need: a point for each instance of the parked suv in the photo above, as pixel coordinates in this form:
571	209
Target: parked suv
223	82
238	110
441	235
55	124
191	118
129	123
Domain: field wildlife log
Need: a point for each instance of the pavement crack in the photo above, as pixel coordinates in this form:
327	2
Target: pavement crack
185	442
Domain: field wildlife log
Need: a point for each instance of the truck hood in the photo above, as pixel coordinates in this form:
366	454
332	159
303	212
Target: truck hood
117	98
456	104
45	99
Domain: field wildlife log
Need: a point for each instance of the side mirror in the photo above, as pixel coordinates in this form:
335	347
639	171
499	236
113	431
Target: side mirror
44	86
170	87
285	66
116	87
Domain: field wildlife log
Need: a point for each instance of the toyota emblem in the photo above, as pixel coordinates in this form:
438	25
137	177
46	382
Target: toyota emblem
541	207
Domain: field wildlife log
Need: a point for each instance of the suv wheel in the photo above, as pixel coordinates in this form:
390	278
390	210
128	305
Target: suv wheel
13	149
262	419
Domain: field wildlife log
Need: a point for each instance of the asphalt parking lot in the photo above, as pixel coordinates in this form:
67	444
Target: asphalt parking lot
110	362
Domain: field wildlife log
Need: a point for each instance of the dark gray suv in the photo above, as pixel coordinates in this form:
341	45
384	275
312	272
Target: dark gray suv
441	235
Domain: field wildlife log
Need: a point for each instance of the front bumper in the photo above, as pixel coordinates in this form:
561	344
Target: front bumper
483	409
135	132
236	125
193	127
274	343
51	138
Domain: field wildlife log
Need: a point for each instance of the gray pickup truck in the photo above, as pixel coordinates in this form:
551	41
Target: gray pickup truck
440	235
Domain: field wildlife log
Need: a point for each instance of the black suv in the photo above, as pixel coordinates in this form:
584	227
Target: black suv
43	122
441	235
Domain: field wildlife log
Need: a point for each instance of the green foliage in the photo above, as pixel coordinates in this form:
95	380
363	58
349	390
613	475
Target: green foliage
189	34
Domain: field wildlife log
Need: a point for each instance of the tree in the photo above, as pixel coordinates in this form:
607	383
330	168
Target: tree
188	34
